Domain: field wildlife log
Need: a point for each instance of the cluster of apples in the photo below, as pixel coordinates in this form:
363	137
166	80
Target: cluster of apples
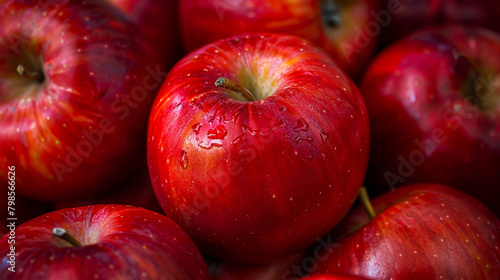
229	139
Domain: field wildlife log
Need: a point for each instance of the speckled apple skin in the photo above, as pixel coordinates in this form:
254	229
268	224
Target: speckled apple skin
257	181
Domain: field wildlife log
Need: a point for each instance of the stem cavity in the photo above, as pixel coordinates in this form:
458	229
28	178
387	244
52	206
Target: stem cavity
61	233
35	75
230	85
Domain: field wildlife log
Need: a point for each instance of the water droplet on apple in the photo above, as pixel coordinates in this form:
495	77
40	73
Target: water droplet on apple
249	130
219	133
298	138
238	139
208	146
324	137
184	160
307	139
196	127
279	124
301	125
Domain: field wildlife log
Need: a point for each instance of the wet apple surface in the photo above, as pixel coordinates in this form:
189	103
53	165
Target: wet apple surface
252	148
257	180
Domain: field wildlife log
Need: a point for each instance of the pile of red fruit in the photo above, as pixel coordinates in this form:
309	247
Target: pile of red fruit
229	139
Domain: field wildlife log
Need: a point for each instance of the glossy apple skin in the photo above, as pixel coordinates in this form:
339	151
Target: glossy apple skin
136	190
117	242
205	21
416	91
257	181
84	127
422	231
412	15
157	20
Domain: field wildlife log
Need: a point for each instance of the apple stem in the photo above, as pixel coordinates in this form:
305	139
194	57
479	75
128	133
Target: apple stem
365	201
61	233
228	84
35	74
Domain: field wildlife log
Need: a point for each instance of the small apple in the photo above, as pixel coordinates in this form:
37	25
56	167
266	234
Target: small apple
76	87
100	242
434	105
421	231
407	16
347	30
257	145
157	21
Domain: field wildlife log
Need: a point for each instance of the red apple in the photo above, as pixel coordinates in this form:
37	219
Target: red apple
157	21
434	105
76	87
408	16
100	242
256	181
423	231
347	30
279	270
